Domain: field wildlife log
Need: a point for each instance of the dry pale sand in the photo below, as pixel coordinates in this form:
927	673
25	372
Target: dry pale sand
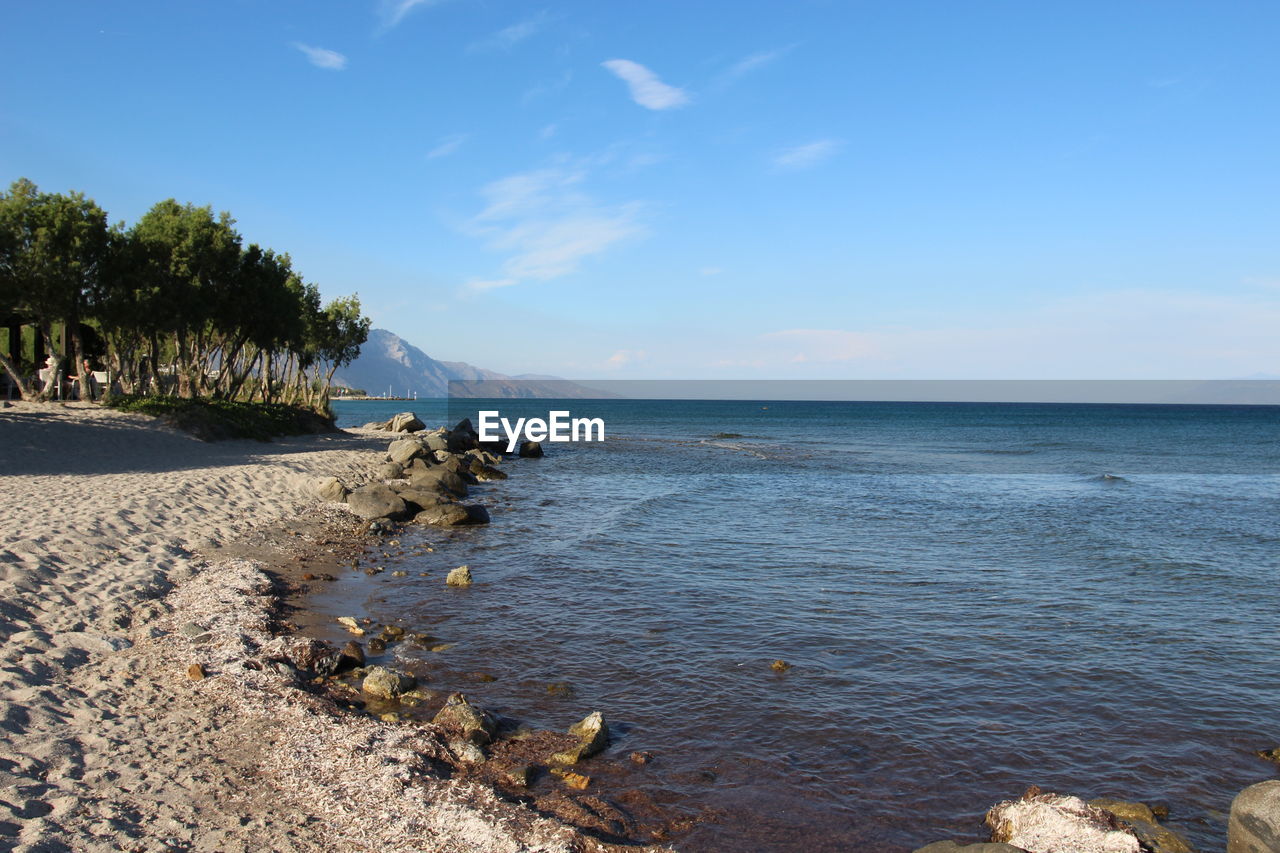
107	745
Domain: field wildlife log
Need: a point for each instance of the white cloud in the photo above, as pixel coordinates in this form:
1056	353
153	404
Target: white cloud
548	131
330	60
750	63
546	225
646	89
448	145
392	12
710	271
806	156
626	356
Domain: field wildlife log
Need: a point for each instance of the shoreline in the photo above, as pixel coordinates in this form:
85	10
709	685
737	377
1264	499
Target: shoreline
114	589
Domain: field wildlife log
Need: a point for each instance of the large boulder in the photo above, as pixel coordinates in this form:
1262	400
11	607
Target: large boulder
463	437
329	489
443	515
439	479
386	683
476	514
530	450
389	471
1139	818
436	441
458	716
376	500
404	450
1052	822
1254	826
420	499
405	422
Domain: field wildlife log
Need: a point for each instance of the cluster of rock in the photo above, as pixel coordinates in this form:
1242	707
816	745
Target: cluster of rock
1053	823
425	475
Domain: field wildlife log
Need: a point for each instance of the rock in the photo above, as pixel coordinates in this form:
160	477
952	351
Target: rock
376	425
1142	821
419	499
305	653
641	757
389	471
476	514
352	655
435	441
951	847
1056	822
405	450
386	683
779	666
1254	826
329	489
191	630
531	450
439	479
377	646
195	672
592	735
376	500
518	775
443	515
485	473
573	780
1269	754
460	576
466	752
462	437
405	422
460	716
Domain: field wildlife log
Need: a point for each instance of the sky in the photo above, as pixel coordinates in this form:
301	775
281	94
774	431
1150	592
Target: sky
809	189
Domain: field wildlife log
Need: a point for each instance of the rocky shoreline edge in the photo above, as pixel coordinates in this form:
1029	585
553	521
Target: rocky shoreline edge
340	749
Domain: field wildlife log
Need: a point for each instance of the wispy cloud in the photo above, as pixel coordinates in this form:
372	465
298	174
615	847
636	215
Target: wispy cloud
626	356
447	146
508	37
806	156
547	226
330	60
823	344
547	87
646	89
392	12
748	64
491	284
710	271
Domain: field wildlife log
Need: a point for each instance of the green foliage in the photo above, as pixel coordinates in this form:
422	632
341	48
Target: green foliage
185	308
216	420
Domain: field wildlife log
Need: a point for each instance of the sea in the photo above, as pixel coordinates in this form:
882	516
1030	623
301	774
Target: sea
969	599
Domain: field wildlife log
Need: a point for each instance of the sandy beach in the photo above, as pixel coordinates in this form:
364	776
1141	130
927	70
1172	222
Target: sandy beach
115	535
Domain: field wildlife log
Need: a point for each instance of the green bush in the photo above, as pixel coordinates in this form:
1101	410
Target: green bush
218	420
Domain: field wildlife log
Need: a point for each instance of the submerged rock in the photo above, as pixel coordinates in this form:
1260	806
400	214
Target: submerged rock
386	683
1254	826
460	576
1142	821
1052	822
461	717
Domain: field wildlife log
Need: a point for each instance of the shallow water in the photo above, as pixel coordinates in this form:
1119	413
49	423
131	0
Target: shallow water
973	598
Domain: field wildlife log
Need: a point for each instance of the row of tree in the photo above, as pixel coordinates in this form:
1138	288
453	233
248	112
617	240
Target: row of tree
185	308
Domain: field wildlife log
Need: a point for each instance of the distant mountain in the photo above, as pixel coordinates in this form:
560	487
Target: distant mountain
388	362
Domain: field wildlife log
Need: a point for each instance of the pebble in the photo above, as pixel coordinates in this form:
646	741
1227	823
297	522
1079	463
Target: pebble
779	666
195	672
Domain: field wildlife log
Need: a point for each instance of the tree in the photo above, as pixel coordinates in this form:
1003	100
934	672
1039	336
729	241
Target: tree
51	254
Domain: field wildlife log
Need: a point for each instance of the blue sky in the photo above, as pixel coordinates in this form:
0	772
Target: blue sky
744	189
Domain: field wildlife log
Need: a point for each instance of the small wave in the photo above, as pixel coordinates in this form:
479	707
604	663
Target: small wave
1111	479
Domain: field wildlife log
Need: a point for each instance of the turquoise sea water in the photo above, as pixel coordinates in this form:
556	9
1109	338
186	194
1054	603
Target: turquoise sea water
974	598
